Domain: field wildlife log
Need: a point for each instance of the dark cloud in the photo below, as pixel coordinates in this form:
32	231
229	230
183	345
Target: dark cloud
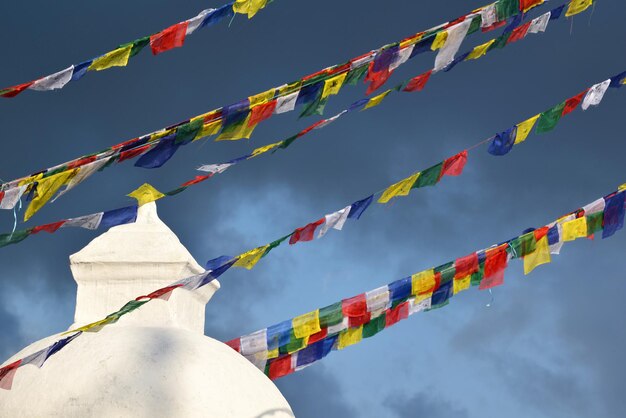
421	404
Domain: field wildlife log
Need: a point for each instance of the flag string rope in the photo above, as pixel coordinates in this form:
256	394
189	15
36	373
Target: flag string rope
239	120
294	344
500	144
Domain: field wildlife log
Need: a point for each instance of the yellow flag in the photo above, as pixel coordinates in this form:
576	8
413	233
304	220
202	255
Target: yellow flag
307	324
333	85
145	194
116	58
411	41
540	256
261	98
622	187
462	284
251	258
95	326
375	101
440	40
263	150
577	6
423	282
289	88
243	131
350	337
575	229
209	129
401	188
46	188
524	129
249	7
273	353
479	51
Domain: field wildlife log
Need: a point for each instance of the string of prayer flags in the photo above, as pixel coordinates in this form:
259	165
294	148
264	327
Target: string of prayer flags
290	346
165	40
500	144
239	120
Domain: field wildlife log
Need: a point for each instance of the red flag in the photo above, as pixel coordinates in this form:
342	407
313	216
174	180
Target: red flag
526	5
7	373
573	102
541	232
81	162
318	336
132	153
15	90
280	367
377	78
235	344
518	33
397	314
355	308
453	166
261	112
172	37
50	228
494	26
418	83
163	293
495	264
310	128
305	233
465	266
198	179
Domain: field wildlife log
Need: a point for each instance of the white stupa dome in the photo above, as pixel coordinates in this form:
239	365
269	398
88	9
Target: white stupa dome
155	361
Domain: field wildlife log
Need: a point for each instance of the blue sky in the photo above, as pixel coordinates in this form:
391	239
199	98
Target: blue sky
550	345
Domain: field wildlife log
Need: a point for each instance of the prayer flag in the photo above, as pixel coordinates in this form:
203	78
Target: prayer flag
286	103
572	103
395	315
465	266
355	310
88	221
195	23
418	83
495	264
441	296
526	5
80	70
15	90
488	16
429	177
423	283
7	373
454	165
306	233
172	37
83	172
401	57
281	366
524	129
224	12
263	150
350	337
215	168
374	326
249	259
539	24
549	119
11	196
480	50
401	188
455	36
116	58
53	81
400	290
507	8
519	33
45	189
307	324
49	228
357	208
574	229
595	94
377	299
209	128
503	142
375	101
333	85
440	40
145	194
461	284
118	217
577	6
334	220
249	7
261	112
613	214
160	154
540	256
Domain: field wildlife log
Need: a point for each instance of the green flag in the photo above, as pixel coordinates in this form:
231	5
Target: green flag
549	119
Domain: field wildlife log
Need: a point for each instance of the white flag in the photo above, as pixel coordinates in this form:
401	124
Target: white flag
328	121
53	81
488	16
82	174
594	207
214	168
334	220
195	22
286	103
401	57
595	94
456	35
88	221
377	299
254	343
539	24
12	196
